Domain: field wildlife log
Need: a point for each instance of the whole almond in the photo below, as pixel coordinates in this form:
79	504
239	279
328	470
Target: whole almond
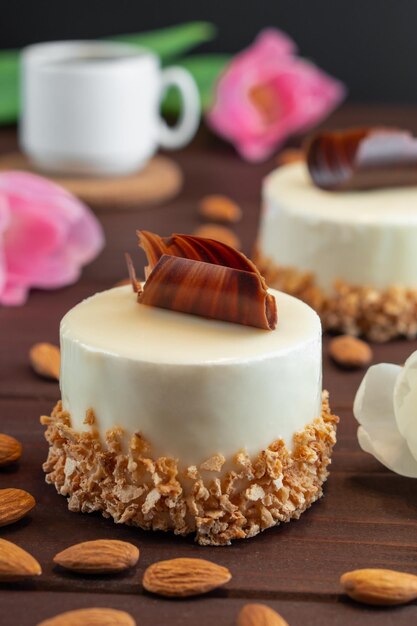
10	450
217	208
184	577
90	617
219	233
259	615
14	504
16	563
380	586
45	359
102	556
350	352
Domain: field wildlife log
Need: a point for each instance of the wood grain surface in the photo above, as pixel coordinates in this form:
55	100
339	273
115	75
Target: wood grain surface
367	518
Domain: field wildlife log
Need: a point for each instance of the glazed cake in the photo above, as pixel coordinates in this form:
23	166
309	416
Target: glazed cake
349	253
171	421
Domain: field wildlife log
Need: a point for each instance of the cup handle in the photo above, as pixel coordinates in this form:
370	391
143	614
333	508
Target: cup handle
179	135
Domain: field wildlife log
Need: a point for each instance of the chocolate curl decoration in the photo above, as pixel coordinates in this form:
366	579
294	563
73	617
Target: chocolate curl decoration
191	247
362	158
206	278
132	274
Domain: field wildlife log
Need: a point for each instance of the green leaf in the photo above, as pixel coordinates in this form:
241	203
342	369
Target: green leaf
205	69
9	86
174	41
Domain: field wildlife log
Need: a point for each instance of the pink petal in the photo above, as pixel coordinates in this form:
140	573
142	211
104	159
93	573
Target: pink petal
14	295
2	273
269	45
50	234
4	221
304	94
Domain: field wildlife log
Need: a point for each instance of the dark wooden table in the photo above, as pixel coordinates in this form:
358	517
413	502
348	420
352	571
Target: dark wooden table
367	518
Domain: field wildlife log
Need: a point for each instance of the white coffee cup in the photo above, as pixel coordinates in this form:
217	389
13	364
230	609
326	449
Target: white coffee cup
92	108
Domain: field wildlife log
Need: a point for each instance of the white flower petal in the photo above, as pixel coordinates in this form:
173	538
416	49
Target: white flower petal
374	410
405	403
392	452
374	402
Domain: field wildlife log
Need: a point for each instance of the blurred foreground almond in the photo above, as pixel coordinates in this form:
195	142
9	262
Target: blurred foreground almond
219	233
380	586
217	208
10	450
45	359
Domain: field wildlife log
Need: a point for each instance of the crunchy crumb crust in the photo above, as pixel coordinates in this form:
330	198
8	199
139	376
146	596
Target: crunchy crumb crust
379	315
133	488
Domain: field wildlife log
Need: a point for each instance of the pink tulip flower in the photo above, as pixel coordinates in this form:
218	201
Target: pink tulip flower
46	235
267	93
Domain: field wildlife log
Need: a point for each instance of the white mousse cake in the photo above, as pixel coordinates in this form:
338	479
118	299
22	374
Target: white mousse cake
352	255
170	421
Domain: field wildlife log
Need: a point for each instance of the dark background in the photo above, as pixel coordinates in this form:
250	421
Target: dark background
370	44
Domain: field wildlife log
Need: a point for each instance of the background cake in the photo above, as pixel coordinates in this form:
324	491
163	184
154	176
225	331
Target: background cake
351	254
173	421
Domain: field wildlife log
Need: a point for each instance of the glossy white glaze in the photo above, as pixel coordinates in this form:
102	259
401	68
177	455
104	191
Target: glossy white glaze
193	387
362	237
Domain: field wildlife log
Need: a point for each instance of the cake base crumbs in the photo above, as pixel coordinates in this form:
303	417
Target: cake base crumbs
377	314
153	493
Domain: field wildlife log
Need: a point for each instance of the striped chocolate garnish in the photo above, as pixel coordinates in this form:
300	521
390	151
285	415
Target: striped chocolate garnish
362	158
204	277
